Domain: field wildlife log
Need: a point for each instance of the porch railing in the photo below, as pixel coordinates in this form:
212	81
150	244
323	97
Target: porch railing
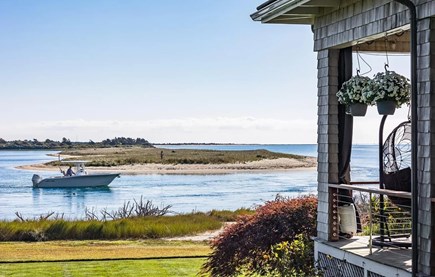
384	215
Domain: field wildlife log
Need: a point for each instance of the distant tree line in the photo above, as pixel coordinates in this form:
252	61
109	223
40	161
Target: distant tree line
67	143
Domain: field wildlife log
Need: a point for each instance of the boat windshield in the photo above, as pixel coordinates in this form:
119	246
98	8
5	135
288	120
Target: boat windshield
80	168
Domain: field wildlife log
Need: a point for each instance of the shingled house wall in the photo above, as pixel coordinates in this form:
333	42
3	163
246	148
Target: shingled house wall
327	134
352	23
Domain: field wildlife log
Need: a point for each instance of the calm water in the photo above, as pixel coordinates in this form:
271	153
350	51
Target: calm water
184	192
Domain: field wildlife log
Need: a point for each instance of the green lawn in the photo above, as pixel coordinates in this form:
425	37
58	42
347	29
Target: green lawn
148	258
160	267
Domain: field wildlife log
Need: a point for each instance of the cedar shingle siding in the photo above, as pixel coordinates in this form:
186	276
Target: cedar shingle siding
350	24
327	134
345	23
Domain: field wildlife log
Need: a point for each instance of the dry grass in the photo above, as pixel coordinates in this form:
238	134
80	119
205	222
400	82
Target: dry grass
95	250
136	155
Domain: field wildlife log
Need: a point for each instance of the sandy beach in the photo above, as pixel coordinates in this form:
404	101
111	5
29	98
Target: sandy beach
265	165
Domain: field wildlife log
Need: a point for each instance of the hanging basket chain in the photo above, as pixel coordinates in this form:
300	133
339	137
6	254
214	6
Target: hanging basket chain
358	57
386	53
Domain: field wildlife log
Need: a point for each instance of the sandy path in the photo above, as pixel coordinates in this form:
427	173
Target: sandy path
137	169
206	236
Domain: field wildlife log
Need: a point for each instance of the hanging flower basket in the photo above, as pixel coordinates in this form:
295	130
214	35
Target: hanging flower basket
387	107
358	109
351	94
387	87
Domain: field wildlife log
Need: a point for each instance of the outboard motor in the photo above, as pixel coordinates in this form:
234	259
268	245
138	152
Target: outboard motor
36	179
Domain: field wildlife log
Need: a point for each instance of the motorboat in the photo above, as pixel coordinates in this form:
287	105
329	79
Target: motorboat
76	180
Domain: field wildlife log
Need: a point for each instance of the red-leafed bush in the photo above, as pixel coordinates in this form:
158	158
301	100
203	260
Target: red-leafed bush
246	246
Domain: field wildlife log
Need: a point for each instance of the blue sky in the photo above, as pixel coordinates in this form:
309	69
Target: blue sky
167	71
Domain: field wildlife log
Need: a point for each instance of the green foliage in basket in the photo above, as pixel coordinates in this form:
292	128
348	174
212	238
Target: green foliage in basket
351	91
387	86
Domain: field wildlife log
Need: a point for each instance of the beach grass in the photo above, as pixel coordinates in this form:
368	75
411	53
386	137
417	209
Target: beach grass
227	215
117	156
149	227
152	268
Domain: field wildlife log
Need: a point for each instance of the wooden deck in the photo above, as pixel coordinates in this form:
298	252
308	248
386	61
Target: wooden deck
359	245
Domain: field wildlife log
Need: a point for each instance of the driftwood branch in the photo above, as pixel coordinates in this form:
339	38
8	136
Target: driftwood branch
20	216
130	209
47	216
137	208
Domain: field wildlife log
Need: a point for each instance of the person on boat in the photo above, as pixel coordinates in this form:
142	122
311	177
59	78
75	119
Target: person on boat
70	172
81	171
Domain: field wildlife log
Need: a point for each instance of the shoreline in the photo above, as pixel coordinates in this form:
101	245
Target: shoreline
265	165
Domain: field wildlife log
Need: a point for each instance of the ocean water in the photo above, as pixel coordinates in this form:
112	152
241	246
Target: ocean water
299	149
185	193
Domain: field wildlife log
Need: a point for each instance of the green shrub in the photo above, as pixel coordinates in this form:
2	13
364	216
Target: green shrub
293	259
396	216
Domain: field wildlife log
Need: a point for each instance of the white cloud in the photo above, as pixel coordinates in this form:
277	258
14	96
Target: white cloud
209	129
244	129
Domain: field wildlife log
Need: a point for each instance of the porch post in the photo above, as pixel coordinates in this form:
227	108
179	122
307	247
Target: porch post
327	136
426	143
345	121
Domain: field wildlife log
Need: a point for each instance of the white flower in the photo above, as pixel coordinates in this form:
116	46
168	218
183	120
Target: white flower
388	86
351	90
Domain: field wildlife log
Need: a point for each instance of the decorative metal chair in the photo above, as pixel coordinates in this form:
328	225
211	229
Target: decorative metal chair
397	162
396	175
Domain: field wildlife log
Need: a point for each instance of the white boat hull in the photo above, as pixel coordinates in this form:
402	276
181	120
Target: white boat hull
76	181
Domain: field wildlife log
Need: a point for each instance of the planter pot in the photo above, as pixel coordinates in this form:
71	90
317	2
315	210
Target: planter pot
358	109
386	107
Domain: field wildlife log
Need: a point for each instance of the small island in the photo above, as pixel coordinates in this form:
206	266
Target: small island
137	156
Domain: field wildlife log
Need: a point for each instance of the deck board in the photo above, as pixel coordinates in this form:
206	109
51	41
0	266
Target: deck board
358	245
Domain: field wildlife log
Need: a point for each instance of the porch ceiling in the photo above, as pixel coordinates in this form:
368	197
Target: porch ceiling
397	41
293	11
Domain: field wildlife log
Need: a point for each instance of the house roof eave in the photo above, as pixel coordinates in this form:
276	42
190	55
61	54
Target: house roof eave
293	11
